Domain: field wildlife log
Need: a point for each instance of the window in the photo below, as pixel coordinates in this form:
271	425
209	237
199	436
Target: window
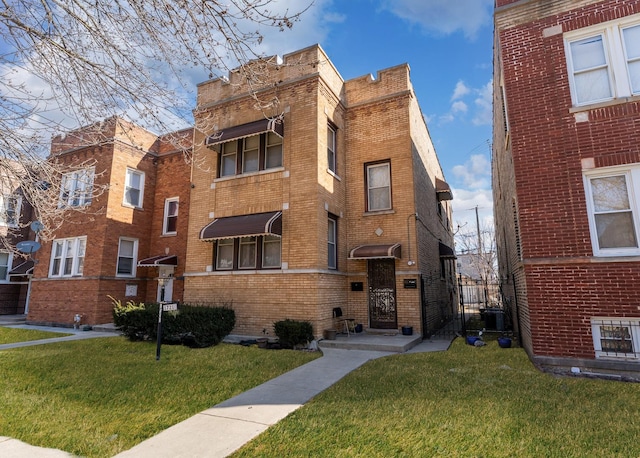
5	266
257	252
133	188
332	243
613	213
616	338
604	61
127	254
170	223
331	148
378	177
67	257
10	210
76	188
250	154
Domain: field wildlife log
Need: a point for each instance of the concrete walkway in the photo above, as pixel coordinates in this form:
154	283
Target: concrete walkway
224	428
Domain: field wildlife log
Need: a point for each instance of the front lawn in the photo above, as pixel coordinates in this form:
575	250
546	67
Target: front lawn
466	402
13	335
98	397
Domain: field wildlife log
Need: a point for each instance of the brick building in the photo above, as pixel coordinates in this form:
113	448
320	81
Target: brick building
566	177
133	189
312	193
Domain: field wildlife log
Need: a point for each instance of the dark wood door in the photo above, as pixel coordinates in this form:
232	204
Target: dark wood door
382	294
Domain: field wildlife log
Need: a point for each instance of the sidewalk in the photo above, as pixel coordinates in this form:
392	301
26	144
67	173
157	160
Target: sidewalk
224	428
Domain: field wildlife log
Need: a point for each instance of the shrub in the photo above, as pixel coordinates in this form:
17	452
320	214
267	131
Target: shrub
292	333
195	326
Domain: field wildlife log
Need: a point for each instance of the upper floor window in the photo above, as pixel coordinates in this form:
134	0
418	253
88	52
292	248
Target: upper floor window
604	61
10	210
378	182
250	154
170	223
76	188
614	219
67	257
332	243
331	148
127	255
5	266
133	188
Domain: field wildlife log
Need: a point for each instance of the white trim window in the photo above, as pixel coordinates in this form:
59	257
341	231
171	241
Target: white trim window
612	204
332	243
251	154
5	266
127	257
271	251
273	151
224	254
378	178
67	257
331	148
76	188
10	207
133	188
616	337
170	221
247	253
228	158
604	61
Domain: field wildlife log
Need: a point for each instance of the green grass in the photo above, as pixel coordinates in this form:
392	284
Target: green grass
466	402
98	397
13	335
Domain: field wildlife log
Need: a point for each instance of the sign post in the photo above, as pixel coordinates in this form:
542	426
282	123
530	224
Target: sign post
163	308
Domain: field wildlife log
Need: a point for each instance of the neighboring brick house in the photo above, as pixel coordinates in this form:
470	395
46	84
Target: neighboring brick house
329	196
566	177
133	189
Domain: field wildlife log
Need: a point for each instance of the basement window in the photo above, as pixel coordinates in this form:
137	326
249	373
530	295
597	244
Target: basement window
616	338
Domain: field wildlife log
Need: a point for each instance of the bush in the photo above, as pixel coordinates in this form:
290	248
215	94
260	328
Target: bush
195	326
292	333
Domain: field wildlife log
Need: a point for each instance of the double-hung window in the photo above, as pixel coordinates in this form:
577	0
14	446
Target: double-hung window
250	154
67	257
331	148
332	243
378	179
76	188
133	188
170	222
271	251
127	255
10	210
604	61
5	266
613	194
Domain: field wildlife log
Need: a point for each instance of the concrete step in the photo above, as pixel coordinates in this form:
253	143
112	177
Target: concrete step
107	327
13	319
373	342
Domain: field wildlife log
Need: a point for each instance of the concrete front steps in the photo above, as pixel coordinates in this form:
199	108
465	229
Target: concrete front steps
8	320
373	341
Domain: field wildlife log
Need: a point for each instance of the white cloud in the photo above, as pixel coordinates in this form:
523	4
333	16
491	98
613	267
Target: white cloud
484	104
460	90
475	173
459	107
464	210
444	17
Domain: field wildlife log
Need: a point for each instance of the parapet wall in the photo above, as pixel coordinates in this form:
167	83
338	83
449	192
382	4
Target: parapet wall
388	82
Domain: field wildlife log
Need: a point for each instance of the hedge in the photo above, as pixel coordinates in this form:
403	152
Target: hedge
292	333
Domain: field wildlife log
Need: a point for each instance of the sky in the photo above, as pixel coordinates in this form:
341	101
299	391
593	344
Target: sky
448	46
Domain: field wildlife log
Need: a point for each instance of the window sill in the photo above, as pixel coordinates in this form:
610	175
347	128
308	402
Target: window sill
333	174
608	103
379	212
133	207
169	234
250	174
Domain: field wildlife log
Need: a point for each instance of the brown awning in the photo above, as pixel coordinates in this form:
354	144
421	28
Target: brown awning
376	251
162	260
443	191
247	130
243	226
24	268
445	251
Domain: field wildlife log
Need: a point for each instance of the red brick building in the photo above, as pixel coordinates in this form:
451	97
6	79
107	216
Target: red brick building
132	187
566	177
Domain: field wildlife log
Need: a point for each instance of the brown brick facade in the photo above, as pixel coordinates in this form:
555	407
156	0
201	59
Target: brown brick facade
555	282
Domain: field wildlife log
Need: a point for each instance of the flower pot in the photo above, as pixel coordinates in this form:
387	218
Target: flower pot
330	334
407	330
504	342
358	327
471	340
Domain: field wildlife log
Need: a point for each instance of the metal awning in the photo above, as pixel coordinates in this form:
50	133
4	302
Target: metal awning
24	268
376	251
275	125
161	260
445	251
443	191
243	226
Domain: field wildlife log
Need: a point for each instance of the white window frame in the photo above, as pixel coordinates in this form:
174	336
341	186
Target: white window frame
167	215
243	244
246	150
617	64
228	154
75	247
271	240
632	176
273	140
633	325
332	242
134	257
332	134
127	186
220	244
76	188
8	266
10	204
387	165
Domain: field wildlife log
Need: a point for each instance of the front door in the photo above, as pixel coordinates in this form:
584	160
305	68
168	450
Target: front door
382	294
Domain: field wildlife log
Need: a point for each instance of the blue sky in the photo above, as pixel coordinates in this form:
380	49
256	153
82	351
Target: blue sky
448	46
